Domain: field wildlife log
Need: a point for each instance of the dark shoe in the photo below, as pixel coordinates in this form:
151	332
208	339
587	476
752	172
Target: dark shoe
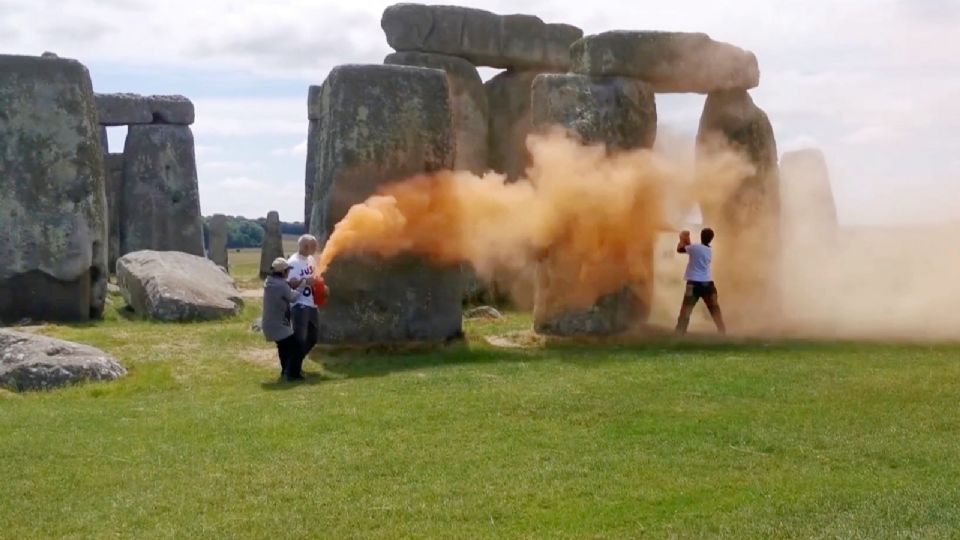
295	378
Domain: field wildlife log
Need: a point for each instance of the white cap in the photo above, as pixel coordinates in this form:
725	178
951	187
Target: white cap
279	264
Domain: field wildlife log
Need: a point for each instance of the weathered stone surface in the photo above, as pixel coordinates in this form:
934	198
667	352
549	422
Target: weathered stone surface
34	362
272	243
53	215
483	38
622	115
382	124
378	301
313	135
746	217
132	109
218	240
113	163
470	110
669	61
161	201
174	286
508	96
104	140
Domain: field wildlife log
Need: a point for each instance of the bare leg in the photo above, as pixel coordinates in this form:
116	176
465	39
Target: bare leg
713	305
686	308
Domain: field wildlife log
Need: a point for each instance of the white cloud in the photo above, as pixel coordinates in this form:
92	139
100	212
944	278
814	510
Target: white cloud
298	150
870	135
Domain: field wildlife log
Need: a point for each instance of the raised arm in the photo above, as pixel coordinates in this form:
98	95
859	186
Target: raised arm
684	242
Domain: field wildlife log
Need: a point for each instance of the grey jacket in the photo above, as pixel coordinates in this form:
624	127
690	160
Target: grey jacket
277	297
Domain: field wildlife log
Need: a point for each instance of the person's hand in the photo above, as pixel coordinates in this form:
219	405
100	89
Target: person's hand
309	281
685	237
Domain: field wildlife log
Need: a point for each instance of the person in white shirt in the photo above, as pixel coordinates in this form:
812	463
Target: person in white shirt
699	280
304	314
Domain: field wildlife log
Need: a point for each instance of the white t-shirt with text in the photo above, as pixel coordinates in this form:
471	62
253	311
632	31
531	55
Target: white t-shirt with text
300	268
698	267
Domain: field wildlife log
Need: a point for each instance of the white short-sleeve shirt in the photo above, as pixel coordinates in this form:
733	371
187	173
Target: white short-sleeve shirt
300	268
698	267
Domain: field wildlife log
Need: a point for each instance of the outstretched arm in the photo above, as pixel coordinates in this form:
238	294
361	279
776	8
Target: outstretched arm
684	242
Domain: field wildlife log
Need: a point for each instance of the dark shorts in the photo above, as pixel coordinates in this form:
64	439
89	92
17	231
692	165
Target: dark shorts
700	289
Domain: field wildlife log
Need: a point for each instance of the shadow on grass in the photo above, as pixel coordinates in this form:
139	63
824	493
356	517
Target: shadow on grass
309	379
582	353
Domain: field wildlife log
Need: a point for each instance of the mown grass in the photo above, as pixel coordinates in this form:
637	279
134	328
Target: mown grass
661	439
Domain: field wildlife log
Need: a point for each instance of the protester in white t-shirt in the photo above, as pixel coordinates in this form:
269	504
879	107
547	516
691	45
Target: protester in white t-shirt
304	315
699	280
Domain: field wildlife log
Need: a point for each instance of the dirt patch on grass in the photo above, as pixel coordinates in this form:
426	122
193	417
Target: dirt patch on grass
524	339
261	357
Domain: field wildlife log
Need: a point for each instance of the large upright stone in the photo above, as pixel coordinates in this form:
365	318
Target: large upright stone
218	240
311	169
382	124
745	216
508	96
483	38
53	211
620	114
669	61
161	201
272	243
470	110
114	168
809	212
133	109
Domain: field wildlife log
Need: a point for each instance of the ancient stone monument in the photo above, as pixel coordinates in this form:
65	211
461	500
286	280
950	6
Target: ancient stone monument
155	196
381	123
218	240
113	163
272	243
53	211
458	39
620	114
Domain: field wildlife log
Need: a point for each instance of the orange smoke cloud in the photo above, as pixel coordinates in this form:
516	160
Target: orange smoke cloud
595	213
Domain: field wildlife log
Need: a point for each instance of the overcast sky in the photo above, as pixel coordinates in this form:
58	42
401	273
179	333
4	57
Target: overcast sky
874	83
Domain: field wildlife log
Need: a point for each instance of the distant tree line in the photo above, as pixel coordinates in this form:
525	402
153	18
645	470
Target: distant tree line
248	233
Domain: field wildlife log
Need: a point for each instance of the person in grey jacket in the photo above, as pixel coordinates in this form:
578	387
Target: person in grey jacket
278	294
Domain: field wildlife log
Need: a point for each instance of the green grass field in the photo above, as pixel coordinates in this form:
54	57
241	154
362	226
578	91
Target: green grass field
748	440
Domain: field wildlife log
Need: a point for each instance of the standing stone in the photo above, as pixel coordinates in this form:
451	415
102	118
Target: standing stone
313	137
53	211
114	166
809	212
218	240
104	140
470	110
508	96
161	202
622	115
272	243
669	61
483	38
381	124
746	217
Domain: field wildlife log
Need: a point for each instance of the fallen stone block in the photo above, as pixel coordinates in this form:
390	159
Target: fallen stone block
173	286
35	362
